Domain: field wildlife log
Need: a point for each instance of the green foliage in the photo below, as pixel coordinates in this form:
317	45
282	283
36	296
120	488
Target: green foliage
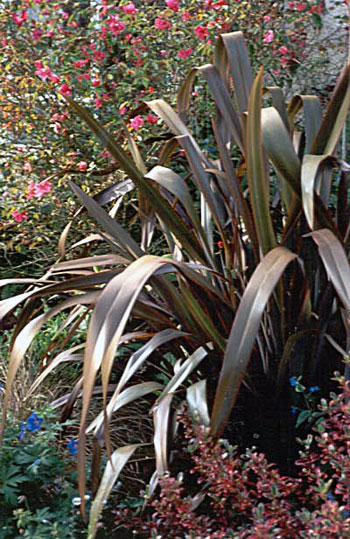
37	481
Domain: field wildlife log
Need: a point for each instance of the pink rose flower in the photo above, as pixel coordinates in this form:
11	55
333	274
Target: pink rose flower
151	118
115	25
201	32
82	165
130	9
173	5
43	72
42	188
184	53
136	123
80	63
54	78
20	19
269	37
162	24
19	216
39	190
65	90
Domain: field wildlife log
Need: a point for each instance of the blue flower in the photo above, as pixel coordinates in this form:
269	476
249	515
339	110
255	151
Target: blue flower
293	381
22	431
294	410
33	422
314	388
72	446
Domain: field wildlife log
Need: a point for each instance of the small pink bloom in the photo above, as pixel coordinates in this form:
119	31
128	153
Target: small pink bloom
173	5
31	190
42	188
96	82
162	24
186	16
57	128
136	123
122	110
184	53
267	18
19	216
98	102
201	32
65	90
54	78
20	19
130	9
27	166
36	35
80	63
43	72
283	50
115	25
269	37
82	165
83	76
38	64
151	118
99	55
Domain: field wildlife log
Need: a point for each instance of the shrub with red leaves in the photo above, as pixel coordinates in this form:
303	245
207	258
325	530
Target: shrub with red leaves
243	496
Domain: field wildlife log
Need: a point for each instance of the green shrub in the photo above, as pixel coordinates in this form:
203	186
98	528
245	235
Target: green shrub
38	480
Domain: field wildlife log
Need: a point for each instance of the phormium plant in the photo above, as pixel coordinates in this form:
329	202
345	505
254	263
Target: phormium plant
241	292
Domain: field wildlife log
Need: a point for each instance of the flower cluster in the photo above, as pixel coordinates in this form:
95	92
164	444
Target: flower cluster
39	190
72	446
32	424
128	52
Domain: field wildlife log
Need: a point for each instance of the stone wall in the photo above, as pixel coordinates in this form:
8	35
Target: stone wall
334	34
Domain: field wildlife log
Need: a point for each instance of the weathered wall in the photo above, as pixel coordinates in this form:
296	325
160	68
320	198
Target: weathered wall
334	34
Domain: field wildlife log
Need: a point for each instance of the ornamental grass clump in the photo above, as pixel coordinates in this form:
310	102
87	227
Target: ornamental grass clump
249	290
